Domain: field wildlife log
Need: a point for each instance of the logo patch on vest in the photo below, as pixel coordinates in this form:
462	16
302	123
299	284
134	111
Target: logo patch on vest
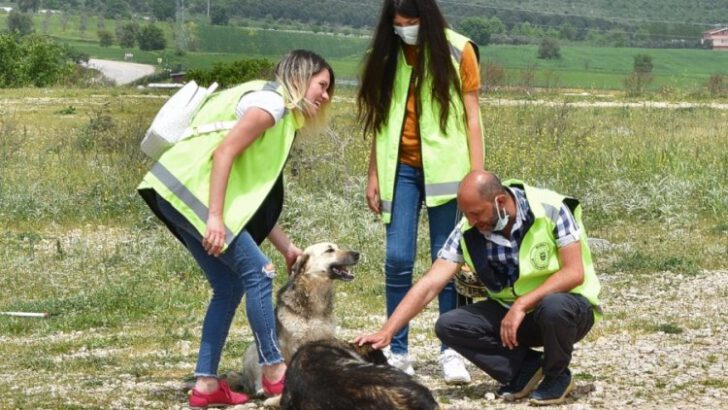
540	255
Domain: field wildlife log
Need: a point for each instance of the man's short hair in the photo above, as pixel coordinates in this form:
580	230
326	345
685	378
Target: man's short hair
490	187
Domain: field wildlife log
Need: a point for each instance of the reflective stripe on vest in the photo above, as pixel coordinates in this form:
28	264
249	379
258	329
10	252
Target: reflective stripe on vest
185	195
445	158
538	255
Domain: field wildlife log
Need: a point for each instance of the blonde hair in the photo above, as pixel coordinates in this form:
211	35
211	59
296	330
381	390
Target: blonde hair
294	73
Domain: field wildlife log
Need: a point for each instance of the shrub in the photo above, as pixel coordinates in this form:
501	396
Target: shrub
494	76
642	63
44	60
717	85
151	37
76	56
219	16
229	74
20	24
163	9
636	83
126	34
10	51
477	29
549	48
35	60
106	39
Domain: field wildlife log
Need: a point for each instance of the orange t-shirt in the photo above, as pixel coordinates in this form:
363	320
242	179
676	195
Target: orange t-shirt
409	150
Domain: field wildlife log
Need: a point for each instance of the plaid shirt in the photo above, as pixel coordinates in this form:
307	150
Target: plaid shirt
504	251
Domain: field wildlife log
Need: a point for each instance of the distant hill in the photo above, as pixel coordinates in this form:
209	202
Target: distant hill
699	12
361	13
644	23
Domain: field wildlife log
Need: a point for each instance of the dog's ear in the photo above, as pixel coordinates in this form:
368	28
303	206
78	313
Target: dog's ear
299	264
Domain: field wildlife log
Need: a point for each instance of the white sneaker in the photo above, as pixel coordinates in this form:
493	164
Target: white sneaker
453	367
400	361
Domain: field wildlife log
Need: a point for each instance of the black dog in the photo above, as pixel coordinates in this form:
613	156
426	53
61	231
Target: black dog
334	375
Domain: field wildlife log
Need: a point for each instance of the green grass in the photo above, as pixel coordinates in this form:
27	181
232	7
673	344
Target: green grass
605	67
581	66
127	300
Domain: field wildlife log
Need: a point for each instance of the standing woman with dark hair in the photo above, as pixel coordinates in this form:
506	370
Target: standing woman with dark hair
220	193
419	97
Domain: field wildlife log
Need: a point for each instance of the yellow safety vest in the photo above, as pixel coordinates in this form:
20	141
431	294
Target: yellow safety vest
445	157
182	174
538	255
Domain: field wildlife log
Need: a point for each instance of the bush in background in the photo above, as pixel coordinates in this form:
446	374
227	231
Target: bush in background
636	83
642	63
20	24
477	29
229	74
494	76
717	85
151	37
106	39
34	60
549	48
126	34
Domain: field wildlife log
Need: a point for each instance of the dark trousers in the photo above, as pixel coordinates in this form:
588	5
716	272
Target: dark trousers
557	323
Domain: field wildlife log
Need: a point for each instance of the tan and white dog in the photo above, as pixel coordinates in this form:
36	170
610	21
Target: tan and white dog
304	306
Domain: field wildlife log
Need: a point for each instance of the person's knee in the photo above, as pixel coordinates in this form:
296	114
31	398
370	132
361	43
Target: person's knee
398	263
233	293
554	309
446	325
269	270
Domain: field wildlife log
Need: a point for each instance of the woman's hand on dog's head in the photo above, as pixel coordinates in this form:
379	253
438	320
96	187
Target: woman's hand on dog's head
291	255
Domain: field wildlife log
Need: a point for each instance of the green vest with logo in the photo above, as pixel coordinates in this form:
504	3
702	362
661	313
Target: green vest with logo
182	174
445	156
538	255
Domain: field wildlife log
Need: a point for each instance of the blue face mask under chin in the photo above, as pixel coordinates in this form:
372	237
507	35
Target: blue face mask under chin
502	220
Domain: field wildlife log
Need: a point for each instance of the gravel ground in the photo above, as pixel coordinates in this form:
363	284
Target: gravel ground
661	346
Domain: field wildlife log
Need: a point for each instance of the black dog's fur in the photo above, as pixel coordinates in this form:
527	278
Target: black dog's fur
334	375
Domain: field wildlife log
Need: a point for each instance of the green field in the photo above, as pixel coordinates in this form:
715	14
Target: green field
581	66
605	67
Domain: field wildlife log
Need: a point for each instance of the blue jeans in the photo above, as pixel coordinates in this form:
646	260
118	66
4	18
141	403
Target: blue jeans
409	196
241	269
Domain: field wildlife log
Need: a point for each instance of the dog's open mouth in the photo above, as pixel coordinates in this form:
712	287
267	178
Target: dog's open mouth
342	272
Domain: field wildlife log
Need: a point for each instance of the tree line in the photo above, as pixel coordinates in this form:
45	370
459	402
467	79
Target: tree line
616	21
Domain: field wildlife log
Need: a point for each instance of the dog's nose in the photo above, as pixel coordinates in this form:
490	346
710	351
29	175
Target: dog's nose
355	255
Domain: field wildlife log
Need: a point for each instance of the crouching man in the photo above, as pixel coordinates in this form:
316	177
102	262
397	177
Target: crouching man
529	247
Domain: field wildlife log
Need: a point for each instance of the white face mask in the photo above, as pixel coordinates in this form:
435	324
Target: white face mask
408	34
502	220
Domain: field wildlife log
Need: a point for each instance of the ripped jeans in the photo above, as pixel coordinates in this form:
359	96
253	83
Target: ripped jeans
241	269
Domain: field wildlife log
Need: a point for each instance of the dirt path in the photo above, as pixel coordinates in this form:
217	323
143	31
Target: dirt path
121	72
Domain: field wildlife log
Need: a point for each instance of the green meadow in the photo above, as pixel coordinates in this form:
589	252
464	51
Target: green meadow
581	66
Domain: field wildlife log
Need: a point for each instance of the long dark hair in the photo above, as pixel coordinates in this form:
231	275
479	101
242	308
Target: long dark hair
375	92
